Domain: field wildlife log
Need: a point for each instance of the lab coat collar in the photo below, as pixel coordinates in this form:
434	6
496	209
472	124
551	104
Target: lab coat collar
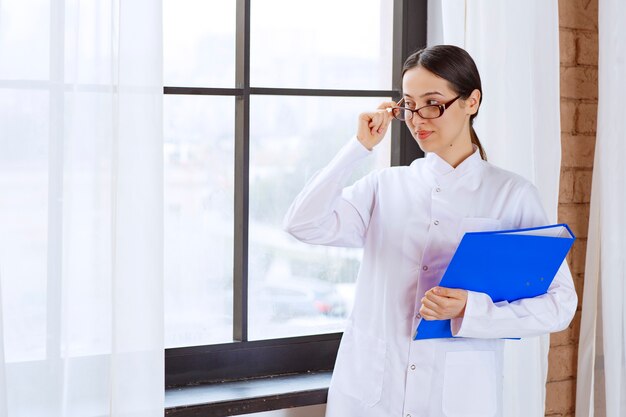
441	168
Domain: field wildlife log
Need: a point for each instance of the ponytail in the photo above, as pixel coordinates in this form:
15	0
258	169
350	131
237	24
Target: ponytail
476	142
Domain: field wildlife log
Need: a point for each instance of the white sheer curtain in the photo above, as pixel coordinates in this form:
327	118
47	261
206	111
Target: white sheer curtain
516	48
601	379
81	250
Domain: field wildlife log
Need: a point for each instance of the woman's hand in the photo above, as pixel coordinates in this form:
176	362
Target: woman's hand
373	125
440	303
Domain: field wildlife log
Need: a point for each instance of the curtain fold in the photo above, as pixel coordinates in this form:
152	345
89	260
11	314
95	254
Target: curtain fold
81	217
519	127
601	378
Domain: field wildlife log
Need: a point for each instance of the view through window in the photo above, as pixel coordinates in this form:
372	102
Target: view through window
294	289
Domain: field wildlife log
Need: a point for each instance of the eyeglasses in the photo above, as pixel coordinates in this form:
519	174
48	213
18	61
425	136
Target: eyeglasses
432	111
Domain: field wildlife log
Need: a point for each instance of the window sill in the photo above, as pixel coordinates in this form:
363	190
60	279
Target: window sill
251	396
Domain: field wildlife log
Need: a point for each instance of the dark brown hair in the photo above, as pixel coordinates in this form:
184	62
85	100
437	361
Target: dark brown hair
456	66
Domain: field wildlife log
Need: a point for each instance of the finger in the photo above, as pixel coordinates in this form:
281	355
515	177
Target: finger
384	115
379	121
386	104
387	118
430	305
374	129
448	292
366	120
428	314
436	300
375	118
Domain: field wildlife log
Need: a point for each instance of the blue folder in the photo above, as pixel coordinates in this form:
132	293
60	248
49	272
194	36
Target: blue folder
505	264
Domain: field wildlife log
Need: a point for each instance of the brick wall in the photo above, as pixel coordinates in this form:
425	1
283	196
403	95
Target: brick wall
578	21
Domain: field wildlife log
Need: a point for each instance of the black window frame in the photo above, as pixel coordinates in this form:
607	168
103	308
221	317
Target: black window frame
242	358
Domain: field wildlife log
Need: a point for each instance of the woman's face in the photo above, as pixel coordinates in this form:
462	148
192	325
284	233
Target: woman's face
448	136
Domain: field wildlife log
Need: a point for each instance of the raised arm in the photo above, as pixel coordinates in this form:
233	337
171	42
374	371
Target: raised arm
324	212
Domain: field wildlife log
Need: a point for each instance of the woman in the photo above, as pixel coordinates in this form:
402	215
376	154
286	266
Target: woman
409	220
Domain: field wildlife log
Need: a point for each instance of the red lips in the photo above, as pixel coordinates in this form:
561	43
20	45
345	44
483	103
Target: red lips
423	134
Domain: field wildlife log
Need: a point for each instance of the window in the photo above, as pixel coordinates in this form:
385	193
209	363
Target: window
257	98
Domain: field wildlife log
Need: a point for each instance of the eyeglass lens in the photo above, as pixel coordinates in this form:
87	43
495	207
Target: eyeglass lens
427	112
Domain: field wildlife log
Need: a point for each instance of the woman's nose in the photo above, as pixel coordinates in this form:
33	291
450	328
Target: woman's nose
416	120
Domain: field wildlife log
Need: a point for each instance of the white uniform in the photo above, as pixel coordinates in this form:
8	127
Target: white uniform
409	220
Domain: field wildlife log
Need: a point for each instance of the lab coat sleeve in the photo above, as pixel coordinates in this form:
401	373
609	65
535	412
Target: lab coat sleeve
326	213
547	313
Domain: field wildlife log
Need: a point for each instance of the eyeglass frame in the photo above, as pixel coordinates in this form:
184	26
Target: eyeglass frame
442	108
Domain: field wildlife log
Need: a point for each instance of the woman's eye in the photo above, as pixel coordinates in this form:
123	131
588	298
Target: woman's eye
432	102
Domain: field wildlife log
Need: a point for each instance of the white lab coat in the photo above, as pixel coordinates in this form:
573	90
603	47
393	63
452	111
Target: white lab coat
409	220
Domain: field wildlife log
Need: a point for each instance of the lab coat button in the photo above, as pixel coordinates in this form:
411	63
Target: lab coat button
425	268
412	367
436	222
437	189
408	415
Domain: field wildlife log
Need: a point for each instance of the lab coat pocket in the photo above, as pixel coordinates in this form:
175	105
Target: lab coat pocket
469	384
360	366
477	224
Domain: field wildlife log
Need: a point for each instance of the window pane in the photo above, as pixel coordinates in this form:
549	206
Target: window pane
321	44
199	152
295	288
199	43
24	23
24	221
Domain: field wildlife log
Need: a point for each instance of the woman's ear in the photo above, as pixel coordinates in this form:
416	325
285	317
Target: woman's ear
473	102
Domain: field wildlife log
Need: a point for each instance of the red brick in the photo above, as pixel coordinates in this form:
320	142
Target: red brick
582	185
562	362
570	335
579	285
568	116
587	48
578	14
586	118
567	46
560	396
577	256
579	82
577	151
566	186
576	216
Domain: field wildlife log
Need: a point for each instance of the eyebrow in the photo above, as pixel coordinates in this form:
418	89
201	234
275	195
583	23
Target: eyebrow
430	93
